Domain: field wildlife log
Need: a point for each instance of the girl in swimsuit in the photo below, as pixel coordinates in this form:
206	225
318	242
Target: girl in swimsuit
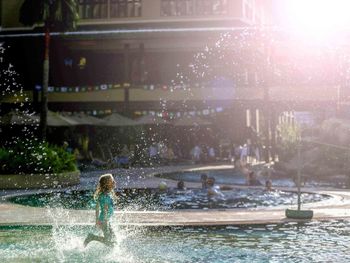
105	197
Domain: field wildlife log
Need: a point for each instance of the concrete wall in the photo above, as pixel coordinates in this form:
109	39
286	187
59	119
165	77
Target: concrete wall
277	93
105	96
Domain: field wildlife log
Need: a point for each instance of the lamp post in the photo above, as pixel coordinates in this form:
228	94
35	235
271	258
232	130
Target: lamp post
266	99
299	214
299	174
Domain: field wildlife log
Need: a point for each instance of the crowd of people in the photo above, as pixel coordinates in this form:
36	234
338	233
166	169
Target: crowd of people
94	152
159	153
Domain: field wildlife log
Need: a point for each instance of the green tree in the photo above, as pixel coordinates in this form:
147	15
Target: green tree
55	15
289	139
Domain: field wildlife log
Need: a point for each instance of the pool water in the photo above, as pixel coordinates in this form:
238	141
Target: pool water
223	176
291	242
232	176
147	199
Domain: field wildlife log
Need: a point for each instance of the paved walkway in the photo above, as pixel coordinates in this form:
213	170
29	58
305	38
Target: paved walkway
337	207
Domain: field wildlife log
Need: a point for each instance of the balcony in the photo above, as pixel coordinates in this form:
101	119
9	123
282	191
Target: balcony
92	12
133	11
109	9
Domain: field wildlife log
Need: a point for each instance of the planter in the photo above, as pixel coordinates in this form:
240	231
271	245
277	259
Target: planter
25	181
299	214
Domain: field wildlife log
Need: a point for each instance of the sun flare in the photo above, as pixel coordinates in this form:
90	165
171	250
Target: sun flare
317	19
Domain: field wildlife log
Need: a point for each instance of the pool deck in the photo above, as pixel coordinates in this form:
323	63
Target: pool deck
337	207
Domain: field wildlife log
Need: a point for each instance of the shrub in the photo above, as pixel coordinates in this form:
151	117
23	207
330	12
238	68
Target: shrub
34	157
288	143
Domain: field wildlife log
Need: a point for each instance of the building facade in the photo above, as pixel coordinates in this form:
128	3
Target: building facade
169	57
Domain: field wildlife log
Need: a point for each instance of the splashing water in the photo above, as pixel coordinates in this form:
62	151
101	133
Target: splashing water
65	243
23	151
17	124
13	93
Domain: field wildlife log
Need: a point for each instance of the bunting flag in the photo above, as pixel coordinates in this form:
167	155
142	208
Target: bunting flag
163	113
104	87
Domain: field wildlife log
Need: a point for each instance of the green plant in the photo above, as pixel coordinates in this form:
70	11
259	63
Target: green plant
35	157
288	140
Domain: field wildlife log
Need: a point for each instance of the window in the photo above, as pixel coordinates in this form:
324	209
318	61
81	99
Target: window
248	12
203	7
125	8
97	9
219	7
93	9
193	7
176	7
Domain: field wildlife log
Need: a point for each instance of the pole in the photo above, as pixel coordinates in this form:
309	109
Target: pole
126	77
44	106
266	100
299	174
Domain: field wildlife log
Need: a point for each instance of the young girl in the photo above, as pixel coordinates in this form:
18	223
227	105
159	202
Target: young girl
105	197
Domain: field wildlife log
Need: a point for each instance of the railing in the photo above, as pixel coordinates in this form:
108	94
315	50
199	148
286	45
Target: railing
105	9
109	9
193	7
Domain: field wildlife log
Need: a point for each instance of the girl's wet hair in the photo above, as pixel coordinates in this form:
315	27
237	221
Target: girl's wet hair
104	186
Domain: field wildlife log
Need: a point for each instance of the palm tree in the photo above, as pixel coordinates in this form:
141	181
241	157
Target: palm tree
56	15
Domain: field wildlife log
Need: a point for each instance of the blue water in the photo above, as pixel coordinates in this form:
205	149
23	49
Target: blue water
292	242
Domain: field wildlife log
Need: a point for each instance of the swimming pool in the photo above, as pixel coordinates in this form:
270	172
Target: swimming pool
291	242
222	176
235	177
151	199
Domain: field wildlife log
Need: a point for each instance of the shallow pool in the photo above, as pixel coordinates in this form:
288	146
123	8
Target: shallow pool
223	176
148	199
232	176
293	242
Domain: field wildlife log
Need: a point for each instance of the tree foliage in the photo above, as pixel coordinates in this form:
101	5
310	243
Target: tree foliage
59	15
37	158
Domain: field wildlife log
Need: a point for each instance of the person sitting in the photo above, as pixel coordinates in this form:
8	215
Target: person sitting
66	147
78	156
181	185
204	178
213	190
170	155
123	158
268	185
163	186
96	161
153	153
252	180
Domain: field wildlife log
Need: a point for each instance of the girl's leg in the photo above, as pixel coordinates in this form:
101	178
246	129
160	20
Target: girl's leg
109	235
92	237
107	239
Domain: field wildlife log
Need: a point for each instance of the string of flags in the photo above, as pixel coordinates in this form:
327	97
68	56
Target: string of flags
104	87
163	114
